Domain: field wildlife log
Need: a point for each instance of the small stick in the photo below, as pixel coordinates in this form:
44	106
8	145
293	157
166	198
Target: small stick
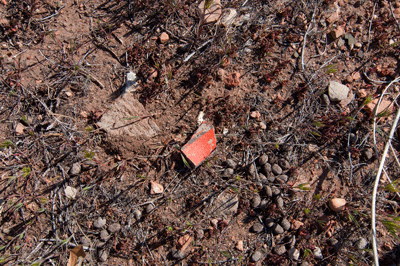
369	33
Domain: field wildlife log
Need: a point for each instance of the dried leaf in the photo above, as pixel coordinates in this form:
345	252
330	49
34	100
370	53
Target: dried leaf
74	254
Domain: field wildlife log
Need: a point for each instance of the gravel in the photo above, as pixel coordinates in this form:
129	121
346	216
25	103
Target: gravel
103	256
279	202
279	250
277	229
361	243
256	256
263	159
282	178
294	253
255	201
231	163
177	254
257	228
229	172
104	235
114	227
267	168
285	224
275	191
99	223
149	208
284	164
318	253
269	222
267	191
75	169
276	169
138	214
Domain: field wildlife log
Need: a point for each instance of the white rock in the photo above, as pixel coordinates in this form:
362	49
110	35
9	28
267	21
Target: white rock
228	17
318	253
70	192
337	204
211	13
294	253
156	188
337	91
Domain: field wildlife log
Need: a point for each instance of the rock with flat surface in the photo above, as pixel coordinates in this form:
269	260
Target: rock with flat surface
337	91
210	12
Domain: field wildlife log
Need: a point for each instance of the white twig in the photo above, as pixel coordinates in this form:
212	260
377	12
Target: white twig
370	26
309	29
378	175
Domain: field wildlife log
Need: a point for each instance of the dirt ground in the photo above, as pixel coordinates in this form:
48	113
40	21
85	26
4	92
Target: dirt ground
91	160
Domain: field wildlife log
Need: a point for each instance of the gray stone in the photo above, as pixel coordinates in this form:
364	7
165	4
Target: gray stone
231	163
304	263
279	250
368	154
276	169
285	224
103	256
256	256
294	253
337	91
361	243
85	241
75	169
252	170
104	235
325	100
114	227
269	222
228	17
100	244
149	208
360	54
279	202
177	254
255	201
277	229
262	177
271	178
266	168
275	191
318	253
138	214
99	223
340	42
200	234
282	178
229	172
267	191
333	241
284	164
257	228
263	159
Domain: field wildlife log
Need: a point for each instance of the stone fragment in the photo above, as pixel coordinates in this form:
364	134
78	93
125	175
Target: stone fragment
232	80
337	204
156	188
318	253
99	223
282	178
255	201
70	192
255	114
269	222
333	242
104	235
284	164
75	169
184	241
257	228
267	168
361	243
296	224
149	208
252	170
279	202
164	38
114	227
231	163
384	105
279	250
256	256
177	254
229	172
228	17
337	33
337	91
201	145
263	159
294	253
210	12
138	214
285	224
103	255
368	154
267	191
239	245
348	100
19	129
277	229
275	191
225	205
276	169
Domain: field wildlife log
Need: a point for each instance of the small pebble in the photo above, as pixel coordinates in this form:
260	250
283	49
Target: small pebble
284	164
333	241
252	170
325	100
285	224
361	243
85	241
255	201
99	223
294	253
104	235
103	256
271	178
200	234
114	227
279	250
304	263
138	214
279	202
282	178
231	163
266	168
318	253
275	191
256	256
277	229
368	154
262	177
75	169
267	191
263	159
229	172
149	208
239	245
269	222
257	228
177	254
276	169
